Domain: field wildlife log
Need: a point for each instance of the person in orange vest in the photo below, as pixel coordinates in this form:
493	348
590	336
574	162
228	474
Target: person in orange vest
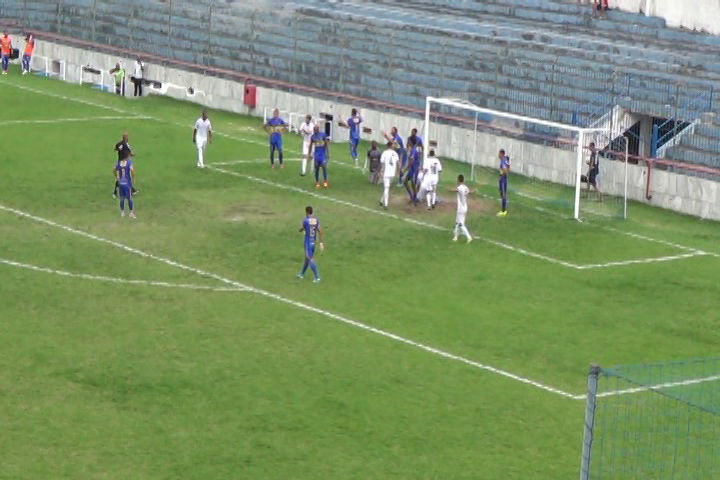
5	49
27	55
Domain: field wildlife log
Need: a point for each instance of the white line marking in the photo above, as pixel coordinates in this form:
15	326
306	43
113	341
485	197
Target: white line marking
100	278
390	215
660	386
662	242
640	261
69	120
256	161
293	303
70	99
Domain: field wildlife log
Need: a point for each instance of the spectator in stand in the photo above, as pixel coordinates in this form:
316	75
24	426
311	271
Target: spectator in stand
600	6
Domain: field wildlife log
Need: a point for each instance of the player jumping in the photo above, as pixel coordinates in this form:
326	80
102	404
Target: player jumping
275	126
125	176
462	208
503	183
307	130
320	149
202	135
313	233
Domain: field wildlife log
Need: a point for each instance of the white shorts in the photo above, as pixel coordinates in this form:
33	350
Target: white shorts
306	148
388	181
429	184
200	143
460	217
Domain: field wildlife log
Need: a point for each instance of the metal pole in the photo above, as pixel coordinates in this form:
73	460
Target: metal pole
208	48
131	37
627	159
578	168
169	28
426	132
589	424
94	16
474	154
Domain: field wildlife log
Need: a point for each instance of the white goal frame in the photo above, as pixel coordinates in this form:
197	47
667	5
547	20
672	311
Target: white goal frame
580	146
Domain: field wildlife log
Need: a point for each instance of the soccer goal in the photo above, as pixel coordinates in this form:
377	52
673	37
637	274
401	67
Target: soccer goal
550	163
658	421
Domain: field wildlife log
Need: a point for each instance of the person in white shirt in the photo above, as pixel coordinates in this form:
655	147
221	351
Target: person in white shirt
390	165
202	135
306	131
430	178
137	78
462	207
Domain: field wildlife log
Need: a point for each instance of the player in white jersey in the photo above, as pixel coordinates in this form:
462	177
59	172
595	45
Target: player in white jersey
306	130
390	165
430	178
462	207
202	135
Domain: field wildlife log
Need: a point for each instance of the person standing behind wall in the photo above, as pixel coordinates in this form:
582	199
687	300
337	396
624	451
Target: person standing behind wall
137	79
119	74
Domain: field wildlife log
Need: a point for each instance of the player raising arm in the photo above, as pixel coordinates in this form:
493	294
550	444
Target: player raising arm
397	142
353	123
462	207
275	126
125	177
306	131
503	182
202	135
390	165
313	234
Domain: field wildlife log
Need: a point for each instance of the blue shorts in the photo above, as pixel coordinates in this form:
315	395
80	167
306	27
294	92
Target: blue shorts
503	185
276	143
354	141
320	162
310	250
125	190
412	174
403	156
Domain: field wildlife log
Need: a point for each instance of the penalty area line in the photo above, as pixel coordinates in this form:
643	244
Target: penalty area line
390	215
641	261
296	304
117	280
70	120
659	386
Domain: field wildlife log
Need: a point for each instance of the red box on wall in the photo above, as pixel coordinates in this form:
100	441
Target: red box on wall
250	95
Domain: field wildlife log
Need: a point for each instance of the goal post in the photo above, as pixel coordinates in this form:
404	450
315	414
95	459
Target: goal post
550	167
652	421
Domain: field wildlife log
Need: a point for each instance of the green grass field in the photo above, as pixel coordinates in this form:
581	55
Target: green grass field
181	344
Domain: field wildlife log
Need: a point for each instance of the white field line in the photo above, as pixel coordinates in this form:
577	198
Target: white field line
659	386
125	281
389	215
294	303
641	261
331	163
69	120
257	142
663	242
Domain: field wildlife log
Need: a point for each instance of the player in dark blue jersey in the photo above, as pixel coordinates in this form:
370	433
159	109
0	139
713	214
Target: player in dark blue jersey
275	126
415	160
320	150
353	123
399	148
125	176
124	153
413	141
313	236
503	183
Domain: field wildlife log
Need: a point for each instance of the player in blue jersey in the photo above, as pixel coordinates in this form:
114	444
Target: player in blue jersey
320	150
503	183
353	123
399	148
125	176
415	160
413	141
275	126
313	236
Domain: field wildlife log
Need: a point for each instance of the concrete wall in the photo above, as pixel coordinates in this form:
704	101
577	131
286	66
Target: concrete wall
701	15
678	192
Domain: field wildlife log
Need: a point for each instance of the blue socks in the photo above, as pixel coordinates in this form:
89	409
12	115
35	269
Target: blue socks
504	204
314	269
324	172
130	204
122	204
305	267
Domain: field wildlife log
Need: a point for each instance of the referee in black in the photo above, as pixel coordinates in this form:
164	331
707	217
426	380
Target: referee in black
124	153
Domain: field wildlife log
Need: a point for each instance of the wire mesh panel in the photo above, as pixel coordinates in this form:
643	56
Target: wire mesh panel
658	422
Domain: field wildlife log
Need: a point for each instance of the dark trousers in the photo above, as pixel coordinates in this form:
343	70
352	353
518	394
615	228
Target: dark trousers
138	86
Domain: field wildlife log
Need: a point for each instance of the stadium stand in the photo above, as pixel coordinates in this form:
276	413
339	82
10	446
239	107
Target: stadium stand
539	58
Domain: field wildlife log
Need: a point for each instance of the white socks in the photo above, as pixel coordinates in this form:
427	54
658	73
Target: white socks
386	196
200	162
464	231
304	165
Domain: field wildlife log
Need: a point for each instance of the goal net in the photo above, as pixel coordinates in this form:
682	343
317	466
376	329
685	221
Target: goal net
657	421
563	169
